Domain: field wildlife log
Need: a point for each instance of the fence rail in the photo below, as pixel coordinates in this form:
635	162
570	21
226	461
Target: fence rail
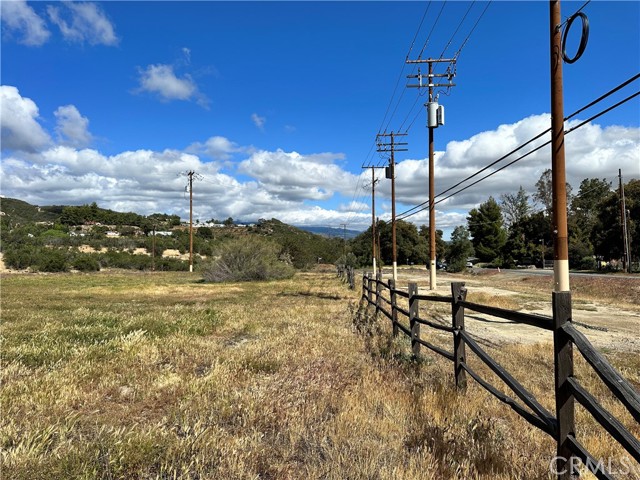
568	390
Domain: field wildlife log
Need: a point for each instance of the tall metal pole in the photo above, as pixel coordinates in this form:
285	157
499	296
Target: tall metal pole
432	188
558	174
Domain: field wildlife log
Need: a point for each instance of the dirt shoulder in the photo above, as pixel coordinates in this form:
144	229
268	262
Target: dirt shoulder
609	320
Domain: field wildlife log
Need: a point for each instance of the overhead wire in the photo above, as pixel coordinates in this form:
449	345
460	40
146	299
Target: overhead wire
599	114
395	88
417	208
464	43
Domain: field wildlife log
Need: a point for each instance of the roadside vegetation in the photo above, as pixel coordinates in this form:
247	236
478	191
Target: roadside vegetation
515	231
162	375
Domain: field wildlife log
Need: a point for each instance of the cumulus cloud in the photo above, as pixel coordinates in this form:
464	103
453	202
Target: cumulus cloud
23	22
19	122
291	175
83	22
354	206
591	152
72	128
258	121
160	79
296	188
216	147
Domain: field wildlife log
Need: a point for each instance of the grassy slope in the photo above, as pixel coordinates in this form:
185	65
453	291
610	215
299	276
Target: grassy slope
129	375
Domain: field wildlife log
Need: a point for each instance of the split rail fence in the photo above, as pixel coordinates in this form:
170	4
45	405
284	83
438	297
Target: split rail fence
568	389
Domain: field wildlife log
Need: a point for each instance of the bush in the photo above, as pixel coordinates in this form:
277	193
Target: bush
86	263
247	259
52	260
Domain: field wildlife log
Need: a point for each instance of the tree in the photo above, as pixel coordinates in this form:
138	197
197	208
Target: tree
441	246
607	232
544	191
584	206
488	234
514	207
460	249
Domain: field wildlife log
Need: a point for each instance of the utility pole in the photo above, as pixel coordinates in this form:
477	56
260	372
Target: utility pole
626	257
391	174
344	241
374	180
153	250
378	249
190	174
558	172
435	117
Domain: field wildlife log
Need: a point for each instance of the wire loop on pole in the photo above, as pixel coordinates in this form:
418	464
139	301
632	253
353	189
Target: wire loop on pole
584	38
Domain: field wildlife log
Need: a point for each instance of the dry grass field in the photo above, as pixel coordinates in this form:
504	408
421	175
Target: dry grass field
141	375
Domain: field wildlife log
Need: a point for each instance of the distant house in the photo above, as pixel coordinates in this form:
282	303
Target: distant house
112	234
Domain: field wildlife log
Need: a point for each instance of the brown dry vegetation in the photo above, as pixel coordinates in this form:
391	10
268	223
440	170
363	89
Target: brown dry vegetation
130	375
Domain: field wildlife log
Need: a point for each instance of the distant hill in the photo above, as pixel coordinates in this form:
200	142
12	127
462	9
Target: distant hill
18	212
332	232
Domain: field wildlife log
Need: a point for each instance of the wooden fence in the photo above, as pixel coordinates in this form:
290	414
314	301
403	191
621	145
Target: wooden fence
347	274
568	390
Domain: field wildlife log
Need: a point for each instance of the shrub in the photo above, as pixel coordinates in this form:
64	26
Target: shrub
52	260
247	259
86	263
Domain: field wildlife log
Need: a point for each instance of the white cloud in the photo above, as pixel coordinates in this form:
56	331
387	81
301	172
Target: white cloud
72	128
18	119
292	176
84	22
162	80
354	206
258	121
290	186
591	152
20	19
216	147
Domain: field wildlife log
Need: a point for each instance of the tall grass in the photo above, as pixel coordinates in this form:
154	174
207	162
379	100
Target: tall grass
133	375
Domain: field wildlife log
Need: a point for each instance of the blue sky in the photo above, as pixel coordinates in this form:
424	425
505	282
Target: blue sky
276	104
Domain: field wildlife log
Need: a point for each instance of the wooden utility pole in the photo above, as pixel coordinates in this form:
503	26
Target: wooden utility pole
558	173
626	254
344	241
391	174
190	174
153	250
435	117
374	180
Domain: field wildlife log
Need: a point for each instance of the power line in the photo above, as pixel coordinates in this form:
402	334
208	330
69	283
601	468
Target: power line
418	208
464	43
395	88
457	29
426	42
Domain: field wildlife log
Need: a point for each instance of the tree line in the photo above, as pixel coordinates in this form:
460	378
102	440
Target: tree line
516	230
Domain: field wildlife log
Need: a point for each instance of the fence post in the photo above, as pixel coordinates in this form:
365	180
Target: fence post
458	294
369	289
351	277
563	370
394	312
413	313
378	289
